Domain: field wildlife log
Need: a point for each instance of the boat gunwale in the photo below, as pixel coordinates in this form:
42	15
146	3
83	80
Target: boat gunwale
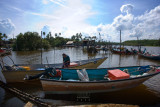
101	81
54	65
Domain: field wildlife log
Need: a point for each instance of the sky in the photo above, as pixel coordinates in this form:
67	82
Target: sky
135	18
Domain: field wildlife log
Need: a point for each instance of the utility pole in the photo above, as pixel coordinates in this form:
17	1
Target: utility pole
138	43
99	37
41	47
120	42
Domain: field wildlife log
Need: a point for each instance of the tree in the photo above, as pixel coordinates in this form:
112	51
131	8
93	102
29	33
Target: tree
44	33
5	36
94	38
46	44
73	37
1	37
56	35
80	36
19	44
27	41
59	41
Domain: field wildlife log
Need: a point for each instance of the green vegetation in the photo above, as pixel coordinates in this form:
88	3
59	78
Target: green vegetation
29	41
3	36
145	42
32	41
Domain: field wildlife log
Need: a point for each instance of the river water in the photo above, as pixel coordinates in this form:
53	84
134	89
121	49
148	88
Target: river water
147	94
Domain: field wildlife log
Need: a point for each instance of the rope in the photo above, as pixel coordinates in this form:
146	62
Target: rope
11	60
24	96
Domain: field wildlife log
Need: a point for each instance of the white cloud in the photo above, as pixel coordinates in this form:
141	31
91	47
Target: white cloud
145	26
71	16
127	8
59	2
123	22
148	24
6	26
44	15
45	1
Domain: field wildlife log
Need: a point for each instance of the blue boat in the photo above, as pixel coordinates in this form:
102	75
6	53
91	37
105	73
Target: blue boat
150	56
71	81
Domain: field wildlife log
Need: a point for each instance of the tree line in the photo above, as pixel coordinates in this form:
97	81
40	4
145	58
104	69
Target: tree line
145	42
33	41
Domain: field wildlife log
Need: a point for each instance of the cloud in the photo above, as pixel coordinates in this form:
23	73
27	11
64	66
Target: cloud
44	15
127	8
145	26
99	29
58	2
45	1
69	17
72	16
148	24
123	22
136	33
6	26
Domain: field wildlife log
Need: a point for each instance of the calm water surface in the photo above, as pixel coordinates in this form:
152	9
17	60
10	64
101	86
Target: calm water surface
147	94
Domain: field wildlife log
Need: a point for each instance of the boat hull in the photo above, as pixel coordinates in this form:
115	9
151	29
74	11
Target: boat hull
68	87
18	75
150	57
122	52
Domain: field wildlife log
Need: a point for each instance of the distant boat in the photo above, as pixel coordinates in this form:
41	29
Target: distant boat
117	51
150	56
72	81
16	73
4	51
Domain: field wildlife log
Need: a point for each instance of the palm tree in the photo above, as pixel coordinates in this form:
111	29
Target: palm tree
73	37
44	33
90	38
94	37
5	36
80	36
56	35
1	37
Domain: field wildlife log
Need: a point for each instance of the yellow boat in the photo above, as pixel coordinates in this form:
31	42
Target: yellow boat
18	72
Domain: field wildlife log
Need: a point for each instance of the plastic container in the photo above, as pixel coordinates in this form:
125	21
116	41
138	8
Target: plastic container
117	74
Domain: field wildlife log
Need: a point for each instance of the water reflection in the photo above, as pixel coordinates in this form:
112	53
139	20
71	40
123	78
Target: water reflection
2	96
145	94
135	96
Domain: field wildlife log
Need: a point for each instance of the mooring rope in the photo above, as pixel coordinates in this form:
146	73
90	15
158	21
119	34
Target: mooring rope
24	96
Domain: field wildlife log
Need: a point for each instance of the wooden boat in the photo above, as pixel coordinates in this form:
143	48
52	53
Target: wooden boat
17	72
4	52
69	82
150	56
117	51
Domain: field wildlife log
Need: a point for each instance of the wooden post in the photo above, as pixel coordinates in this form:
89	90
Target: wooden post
138	43
120	42
41	47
